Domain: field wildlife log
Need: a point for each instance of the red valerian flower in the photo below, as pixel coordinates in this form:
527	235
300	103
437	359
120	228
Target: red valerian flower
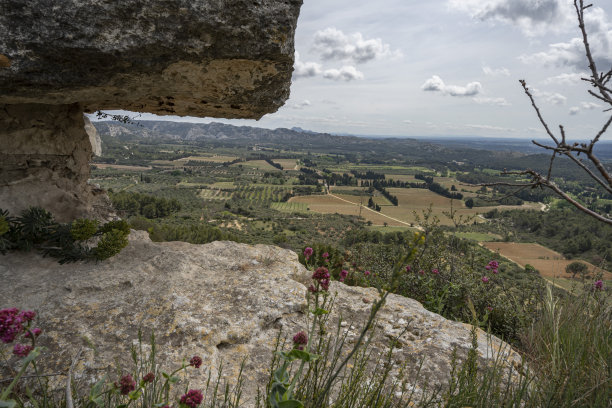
300	340
343	275
149	377
308	252
127	384
485	279
196	361
598	285
22	350
192	399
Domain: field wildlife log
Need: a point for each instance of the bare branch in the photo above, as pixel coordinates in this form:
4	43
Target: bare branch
542	121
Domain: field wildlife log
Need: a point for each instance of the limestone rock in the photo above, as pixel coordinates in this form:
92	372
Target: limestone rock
224	301
220	58
44	161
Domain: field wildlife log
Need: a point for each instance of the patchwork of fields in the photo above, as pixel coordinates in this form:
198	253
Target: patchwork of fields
549	263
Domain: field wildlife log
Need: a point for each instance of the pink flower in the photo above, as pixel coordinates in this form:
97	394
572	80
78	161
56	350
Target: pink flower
196	361
35	331
598	285
485	279
22	350
408	268
127	384
300	340
421	272
149	377
325	255
12	323
489	308
367	273
192	399
435	271
308	252
343	275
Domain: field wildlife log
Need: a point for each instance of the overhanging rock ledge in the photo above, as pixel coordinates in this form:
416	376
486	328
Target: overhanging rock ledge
216	58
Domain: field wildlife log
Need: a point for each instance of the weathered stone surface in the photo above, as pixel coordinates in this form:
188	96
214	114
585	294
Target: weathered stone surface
220	58
223	301
44	161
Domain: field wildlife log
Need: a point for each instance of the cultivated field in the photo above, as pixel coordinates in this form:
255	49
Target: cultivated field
290	207
288	164
257	164
120	167
549	263
328	204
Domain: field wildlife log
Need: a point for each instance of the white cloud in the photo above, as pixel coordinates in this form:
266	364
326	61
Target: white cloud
489	127
301	105
436	84
574	110
407	121
566	79
533	17
590	105
305	69
553	98
333	44
491	101
495	72
346	73
572	53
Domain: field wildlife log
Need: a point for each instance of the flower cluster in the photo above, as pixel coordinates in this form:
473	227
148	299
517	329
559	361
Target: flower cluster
300	340
492	266
22	350
308	253
192	398
598	285
343	275
126	384
148	378
13	322
196	361
321	276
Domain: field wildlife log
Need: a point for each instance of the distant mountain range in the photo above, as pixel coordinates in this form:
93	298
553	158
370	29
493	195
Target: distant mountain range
438	149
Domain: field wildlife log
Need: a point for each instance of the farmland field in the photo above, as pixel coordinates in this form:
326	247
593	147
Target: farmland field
211	159
290	207
288	164
328	204
257	164
121	167
549	263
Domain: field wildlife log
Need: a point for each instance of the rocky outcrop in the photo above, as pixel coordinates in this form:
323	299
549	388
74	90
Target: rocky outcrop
218	58
224	301
44	161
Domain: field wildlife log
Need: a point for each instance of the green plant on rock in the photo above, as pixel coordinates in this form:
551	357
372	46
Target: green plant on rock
35	228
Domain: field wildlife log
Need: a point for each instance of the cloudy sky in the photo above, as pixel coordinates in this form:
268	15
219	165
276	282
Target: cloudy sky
443	67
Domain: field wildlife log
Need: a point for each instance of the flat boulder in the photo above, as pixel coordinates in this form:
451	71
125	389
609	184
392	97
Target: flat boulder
223	301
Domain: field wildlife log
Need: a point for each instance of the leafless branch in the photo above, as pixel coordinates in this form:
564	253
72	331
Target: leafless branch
560	145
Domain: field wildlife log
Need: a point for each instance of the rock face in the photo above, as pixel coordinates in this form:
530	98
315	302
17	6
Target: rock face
218	58
224	301
44	161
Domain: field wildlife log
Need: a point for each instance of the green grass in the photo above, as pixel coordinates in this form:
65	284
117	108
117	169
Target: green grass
389	228
290	207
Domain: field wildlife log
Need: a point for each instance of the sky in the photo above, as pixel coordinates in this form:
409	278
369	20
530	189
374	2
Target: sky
442	68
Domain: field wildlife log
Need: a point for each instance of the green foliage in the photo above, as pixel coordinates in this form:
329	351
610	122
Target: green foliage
143	204
110	244
68	242
83	229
